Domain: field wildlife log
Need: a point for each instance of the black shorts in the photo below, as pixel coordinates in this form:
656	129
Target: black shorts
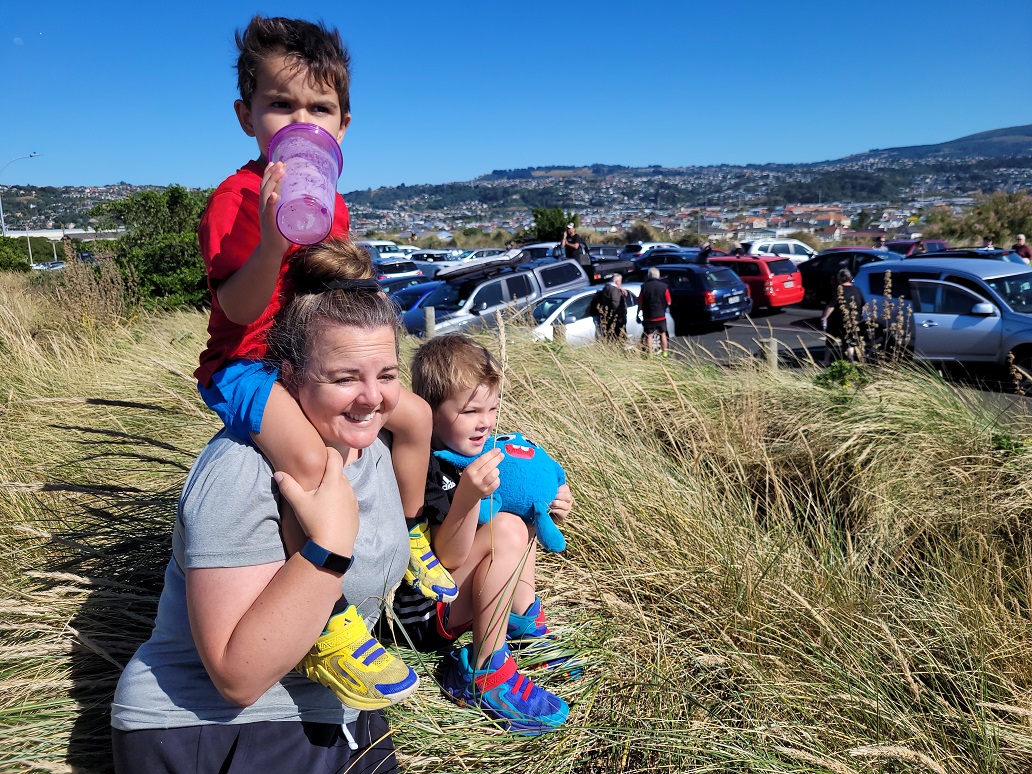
268	747
654	326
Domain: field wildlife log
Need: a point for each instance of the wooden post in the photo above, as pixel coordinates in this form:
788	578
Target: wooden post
429	322
770	350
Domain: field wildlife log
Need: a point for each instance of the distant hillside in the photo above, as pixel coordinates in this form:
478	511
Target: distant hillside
997	143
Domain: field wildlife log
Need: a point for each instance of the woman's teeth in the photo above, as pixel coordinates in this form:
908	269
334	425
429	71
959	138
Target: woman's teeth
361	417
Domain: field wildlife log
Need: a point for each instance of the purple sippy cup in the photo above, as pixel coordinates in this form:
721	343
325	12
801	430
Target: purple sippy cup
308	190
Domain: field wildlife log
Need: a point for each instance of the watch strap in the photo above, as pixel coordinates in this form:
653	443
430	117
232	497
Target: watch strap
322	557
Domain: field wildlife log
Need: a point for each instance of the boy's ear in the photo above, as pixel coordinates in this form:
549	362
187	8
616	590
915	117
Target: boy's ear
243	114
344	122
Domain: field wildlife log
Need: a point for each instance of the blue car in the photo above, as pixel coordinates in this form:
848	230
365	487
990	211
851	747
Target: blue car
703	295
412	296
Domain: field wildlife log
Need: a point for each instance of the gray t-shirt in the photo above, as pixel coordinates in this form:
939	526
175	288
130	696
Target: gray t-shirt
228	517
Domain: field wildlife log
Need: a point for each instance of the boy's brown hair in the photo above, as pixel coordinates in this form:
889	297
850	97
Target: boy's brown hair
312	47
452	362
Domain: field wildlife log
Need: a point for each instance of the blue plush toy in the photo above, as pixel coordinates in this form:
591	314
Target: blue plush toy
528	481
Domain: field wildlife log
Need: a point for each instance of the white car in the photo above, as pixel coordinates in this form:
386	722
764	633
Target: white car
381	248
797	252
570	307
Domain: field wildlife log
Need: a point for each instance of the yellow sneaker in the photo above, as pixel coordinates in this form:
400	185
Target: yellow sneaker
351	663
427	575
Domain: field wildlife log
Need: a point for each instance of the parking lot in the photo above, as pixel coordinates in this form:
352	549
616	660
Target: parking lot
796	329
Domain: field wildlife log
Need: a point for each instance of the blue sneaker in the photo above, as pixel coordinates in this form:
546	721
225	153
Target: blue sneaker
529	637
502	692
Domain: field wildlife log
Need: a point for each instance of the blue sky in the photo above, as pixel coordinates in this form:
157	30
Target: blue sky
143	92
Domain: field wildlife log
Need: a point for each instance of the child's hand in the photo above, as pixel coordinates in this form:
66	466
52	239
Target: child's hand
482	475
329	513
561	506
268	198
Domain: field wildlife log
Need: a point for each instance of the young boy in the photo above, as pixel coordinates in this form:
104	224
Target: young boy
493	564
293	71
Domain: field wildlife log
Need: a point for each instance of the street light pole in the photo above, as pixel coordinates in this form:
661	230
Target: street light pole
3	224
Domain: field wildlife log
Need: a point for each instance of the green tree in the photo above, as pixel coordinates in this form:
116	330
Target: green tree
550	223
160	244
1000	215
862	220
14	254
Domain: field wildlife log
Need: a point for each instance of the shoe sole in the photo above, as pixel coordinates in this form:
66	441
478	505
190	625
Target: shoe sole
360	701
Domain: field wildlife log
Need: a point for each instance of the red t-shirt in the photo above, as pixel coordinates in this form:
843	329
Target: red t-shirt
229	233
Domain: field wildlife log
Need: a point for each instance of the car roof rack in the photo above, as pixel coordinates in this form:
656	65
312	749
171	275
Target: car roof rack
489	266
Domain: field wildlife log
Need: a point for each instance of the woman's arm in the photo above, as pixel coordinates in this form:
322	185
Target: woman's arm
252	625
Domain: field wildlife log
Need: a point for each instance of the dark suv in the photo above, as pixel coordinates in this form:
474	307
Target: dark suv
470	294
702	295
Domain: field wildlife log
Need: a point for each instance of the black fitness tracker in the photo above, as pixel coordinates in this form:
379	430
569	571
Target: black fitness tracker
320	557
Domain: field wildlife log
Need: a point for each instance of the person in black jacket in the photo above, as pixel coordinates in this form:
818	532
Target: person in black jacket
842	319
609	310
653	303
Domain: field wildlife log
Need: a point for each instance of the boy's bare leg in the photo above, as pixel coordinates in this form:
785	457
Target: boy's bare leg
488	580
411	424
295	447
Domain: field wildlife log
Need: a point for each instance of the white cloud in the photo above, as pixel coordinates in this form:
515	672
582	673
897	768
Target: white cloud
18	41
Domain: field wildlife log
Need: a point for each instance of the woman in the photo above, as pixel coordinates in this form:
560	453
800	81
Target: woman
214	688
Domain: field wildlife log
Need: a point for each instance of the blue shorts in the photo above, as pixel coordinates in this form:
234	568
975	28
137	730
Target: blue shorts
238	394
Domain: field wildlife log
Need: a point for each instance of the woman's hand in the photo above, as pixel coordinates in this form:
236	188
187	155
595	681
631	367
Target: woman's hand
561	506
329	513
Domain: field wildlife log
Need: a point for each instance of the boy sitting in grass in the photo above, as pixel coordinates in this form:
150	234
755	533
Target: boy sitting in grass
493	563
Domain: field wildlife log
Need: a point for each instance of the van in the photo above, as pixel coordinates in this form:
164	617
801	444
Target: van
472	294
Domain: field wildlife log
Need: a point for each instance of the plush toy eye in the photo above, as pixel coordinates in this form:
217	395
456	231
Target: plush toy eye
503	438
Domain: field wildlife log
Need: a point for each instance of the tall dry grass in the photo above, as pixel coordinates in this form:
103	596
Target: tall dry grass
763	574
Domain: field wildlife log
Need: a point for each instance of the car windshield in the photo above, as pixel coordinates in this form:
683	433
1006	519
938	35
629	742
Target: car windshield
465	255
546	306
721	278
783	266
448	297
1015	290
407	297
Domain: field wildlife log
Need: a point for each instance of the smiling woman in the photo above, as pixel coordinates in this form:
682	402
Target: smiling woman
215	686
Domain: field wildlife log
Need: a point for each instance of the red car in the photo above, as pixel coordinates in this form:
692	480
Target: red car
772	281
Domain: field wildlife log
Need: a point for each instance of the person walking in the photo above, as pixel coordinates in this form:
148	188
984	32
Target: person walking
842	319
653	303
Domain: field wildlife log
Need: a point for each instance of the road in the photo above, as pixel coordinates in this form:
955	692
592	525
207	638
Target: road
797	331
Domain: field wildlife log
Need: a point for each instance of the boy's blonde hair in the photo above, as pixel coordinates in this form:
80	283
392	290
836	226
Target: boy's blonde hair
452	362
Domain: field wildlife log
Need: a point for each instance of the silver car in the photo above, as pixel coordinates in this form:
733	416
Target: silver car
963	309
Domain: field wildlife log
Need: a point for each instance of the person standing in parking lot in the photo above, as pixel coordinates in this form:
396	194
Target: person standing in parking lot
574	247
842	319
609	310
571	242
653	303
879	243
1021	248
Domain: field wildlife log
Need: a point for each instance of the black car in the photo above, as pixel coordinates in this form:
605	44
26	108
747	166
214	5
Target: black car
657	256
701	294
820	272
998	254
